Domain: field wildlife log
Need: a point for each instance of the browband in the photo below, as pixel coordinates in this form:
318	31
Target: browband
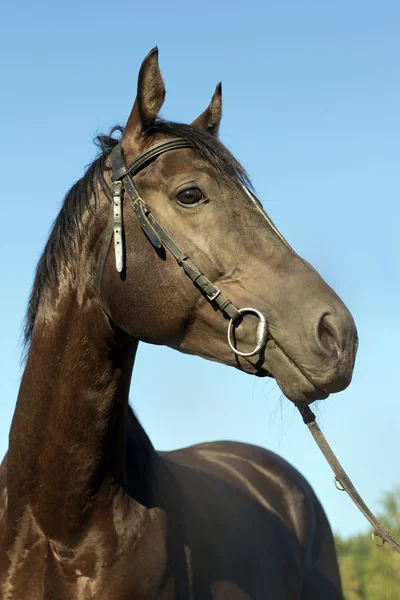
120	168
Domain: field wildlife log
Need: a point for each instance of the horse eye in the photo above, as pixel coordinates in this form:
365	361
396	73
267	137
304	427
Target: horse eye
190	197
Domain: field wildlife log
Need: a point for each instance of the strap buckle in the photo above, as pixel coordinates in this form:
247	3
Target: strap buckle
214	295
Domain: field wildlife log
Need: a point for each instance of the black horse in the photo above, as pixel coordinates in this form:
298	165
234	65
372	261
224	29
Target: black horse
89	510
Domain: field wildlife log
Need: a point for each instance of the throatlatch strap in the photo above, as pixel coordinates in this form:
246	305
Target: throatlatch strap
342	478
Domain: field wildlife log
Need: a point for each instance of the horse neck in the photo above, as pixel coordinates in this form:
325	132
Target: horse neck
68	437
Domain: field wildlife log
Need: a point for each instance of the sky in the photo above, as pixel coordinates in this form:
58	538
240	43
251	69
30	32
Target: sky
311	94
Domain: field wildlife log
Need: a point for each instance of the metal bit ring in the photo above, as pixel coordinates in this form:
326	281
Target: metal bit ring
261	335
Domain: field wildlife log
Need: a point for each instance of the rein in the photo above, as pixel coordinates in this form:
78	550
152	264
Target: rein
122	182
343	482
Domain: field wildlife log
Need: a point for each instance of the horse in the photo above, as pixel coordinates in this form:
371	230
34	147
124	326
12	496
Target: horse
160	241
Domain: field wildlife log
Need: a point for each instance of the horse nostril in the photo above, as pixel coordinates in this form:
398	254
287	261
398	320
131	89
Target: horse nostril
327	337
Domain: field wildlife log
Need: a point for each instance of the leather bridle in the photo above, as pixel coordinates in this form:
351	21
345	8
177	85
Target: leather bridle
122	182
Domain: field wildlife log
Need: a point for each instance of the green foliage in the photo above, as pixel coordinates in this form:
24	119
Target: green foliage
369	572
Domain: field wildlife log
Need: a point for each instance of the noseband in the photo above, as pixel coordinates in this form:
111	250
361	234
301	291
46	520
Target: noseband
122	182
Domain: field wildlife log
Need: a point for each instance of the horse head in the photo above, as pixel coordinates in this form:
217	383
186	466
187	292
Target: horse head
200	197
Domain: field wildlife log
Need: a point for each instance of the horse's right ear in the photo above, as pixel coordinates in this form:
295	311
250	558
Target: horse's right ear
210	119
149	99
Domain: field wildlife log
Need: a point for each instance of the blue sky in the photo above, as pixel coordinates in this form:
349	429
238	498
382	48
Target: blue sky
311	107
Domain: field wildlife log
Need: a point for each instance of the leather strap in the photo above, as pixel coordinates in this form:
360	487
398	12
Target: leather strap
118	226
120	169
212	293
342	478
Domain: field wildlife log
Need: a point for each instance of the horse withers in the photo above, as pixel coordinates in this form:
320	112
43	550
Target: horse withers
162	240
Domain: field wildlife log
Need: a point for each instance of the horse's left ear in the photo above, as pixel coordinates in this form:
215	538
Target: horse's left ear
149	99
210	119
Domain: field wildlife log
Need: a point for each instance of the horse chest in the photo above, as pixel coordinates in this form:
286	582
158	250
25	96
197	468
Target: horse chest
125	558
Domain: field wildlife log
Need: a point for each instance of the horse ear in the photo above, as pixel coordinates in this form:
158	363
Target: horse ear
210	119
149	99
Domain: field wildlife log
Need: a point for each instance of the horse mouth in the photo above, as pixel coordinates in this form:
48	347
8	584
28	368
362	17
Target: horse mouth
261	372
294	384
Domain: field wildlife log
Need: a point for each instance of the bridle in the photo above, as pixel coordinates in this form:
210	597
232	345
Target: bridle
122	182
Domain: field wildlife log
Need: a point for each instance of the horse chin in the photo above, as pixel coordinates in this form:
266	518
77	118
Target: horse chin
293	383
301	391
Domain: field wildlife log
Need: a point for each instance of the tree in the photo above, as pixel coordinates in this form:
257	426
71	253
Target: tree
369	572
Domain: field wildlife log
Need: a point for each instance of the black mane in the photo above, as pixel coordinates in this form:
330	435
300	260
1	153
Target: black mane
78	200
